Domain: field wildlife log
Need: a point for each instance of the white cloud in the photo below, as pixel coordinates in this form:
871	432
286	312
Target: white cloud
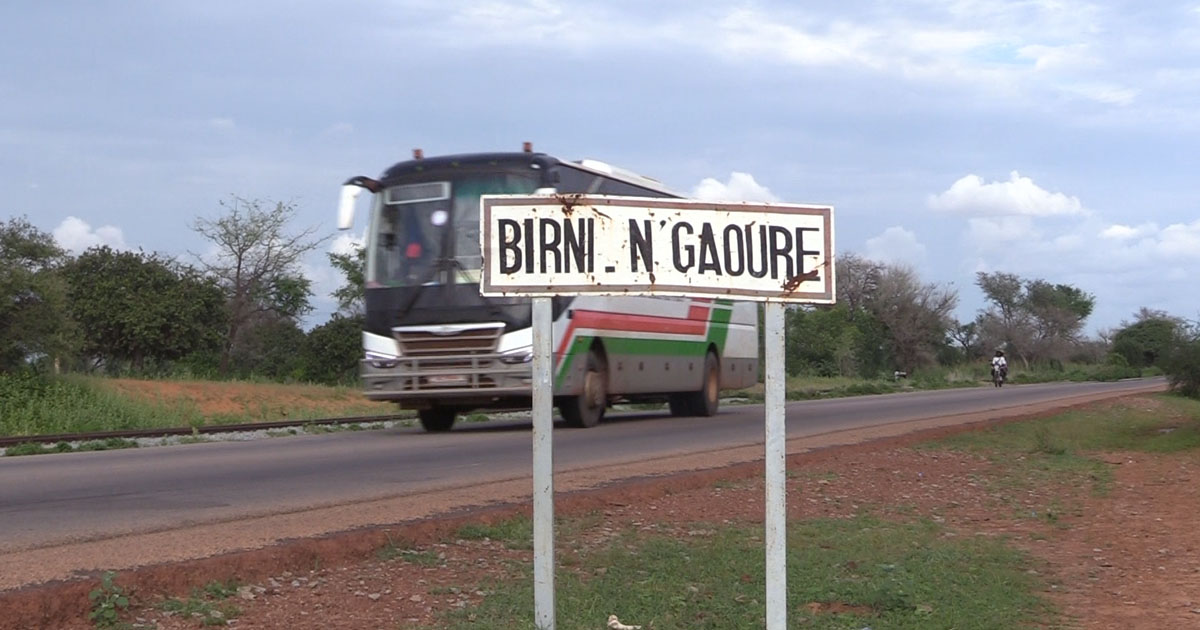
896	245
1180	240
1018	196
1001	231
221	123
1053	58
746	32
1106	93
75	235
346	243
1119	232
740	187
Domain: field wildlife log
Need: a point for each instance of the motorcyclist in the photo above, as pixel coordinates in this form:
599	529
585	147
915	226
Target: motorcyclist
1000	364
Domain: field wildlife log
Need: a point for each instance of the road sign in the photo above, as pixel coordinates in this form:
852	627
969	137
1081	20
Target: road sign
546	245
549	245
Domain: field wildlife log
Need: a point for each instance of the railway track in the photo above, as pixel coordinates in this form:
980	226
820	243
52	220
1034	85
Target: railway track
201	430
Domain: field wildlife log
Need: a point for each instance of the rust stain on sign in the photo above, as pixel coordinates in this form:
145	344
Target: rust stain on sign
794	282
568	201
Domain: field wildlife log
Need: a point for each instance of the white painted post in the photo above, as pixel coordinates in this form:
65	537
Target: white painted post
775	472
543	466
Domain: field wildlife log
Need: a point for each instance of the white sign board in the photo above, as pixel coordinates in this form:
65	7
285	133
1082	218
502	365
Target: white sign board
545	245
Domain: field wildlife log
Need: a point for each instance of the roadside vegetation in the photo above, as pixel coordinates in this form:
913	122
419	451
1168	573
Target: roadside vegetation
73	327
871	572
874	561
880	568
32	405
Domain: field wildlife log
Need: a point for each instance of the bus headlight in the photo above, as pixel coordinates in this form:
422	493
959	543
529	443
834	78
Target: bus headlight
517	356
382	361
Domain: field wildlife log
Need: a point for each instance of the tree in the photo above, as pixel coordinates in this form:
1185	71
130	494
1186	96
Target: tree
133	307
1182	363
332	351
1149	339
1005	324
857	281
1057	312
257	265
831	341
916	315
1033	320
271	349
967	337
33	319
352	266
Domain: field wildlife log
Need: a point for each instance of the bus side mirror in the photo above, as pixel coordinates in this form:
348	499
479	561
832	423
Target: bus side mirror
350	193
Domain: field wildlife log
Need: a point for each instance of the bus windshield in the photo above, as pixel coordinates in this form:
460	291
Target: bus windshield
423	232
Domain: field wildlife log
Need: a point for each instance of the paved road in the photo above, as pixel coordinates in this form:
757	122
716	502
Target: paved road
54	499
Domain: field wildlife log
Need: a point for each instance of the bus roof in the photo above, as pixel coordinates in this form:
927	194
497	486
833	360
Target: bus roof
521	158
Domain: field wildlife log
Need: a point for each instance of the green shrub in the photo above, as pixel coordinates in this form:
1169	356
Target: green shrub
1111	372
1182	368
109	603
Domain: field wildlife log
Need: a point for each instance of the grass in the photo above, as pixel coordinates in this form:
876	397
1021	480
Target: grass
1172	424
515	533
208	606
902	572
805	387
406	551
842	573
34	448
1065	447
74	403
109	604
817	387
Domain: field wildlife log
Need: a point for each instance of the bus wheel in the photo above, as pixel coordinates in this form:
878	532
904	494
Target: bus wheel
586	409
437	419
705	401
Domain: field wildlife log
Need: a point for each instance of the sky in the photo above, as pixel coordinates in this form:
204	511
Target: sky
1053	139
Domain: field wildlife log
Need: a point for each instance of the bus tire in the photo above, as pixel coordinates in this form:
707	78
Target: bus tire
586	409
437	419
705	401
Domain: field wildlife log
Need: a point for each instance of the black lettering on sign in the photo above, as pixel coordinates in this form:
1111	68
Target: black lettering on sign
735	262
510	238
781	250
577	249
709	261
801	252
759	252
682	264
528	245
641	245
551	235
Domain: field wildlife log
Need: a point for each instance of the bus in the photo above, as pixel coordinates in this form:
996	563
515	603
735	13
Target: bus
431	343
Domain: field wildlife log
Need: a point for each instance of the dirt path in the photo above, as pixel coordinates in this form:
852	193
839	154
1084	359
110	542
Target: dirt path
1127	560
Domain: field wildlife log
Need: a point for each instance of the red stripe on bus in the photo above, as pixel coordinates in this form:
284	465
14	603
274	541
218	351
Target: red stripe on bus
640	323
695	324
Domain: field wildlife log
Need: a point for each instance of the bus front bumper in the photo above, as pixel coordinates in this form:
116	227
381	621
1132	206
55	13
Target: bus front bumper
445	379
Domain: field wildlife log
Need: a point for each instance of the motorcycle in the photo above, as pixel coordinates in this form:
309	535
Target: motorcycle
998	376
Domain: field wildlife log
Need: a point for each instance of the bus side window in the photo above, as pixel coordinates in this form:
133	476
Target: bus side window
575	181
614	187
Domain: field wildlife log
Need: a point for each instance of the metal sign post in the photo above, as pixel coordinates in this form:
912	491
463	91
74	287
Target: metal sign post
543	467
548	245
775	473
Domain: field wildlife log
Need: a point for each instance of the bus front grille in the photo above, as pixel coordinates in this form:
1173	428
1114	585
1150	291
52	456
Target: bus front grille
434	341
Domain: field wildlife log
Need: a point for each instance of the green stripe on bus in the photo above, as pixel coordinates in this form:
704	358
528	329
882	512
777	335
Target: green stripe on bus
718	331
718	326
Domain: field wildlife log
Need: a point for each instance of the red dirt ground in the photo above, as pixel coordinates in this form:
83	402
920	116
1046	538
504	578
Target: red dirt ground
1129	559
